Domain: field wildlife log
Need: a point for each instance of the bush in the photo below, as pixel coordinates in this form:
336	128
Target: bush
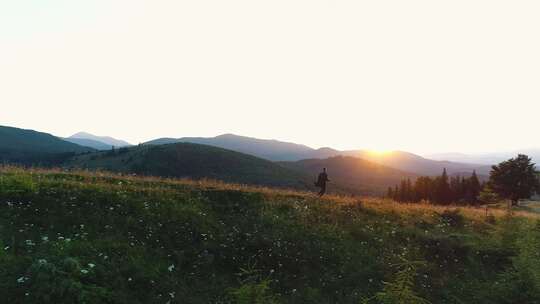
453	218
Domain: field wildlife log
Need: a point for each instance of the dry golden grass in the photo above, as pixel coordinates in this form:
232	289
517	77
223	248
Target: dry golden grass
379	205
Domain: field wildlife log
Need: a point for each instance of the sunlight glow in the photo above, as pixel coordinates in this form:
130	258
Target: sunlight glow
381	152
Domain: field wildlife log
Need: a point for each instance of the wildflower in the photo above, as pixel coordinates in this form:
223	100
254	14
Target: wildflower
22	279
84	271
91	265
171	268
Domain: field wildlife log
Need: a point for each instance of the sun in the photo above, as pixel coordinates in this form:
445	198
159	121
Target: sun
380	152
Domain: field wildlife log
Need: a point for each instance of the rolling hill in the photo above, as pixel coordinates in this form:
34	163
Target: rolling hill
353	173
32	147
196	161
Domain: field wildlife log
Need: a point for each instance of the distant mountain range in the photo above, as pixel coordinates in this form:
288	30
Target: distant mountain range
486	158
96	142
284	151
410	162
268	149
235	158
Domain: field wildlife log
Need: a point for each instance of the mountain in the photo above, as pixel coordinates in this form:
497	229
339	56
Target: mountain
410	162
183	160
32	147
462	158
106	140
268	149
353	173
98	145
283	151
486	158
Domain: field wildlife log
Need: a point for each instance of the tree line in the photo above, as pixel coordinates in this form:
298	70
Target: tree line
438	190
511	180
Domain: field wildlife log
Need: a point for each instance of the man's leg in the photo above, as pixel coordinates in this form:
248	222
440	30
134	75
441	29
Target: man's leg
323	190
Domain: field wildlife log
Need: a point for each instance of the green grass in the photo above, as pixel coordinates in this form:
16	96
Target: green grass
101	238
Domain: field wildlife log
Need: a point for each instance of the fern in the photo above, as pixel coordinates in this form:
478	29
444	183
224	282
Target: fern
401	289
254	289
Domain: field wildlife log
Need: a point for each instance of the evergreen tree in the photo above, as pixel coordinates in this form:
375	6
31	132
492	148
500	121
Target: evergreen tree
403	191
443	189
390	193
464	187
474	187
455	189
409	191
515	179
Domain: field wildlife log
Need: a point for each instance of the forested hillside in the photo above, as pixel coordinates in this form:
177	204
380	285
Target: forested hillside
34	148
185	160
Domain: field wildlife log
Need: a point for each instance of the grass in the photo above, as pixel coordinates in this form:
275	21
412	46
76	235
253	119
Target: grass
83	237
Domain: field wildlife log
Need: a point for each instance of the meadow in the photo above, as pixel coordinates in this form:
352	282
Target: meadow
98	237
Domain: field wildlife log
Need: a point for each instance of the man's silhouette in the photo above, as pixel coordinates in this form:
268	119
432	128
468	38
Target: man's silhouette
321	182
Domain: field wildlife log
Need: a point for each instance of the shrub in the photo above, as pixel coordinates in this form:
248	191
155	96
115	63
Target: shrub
453	218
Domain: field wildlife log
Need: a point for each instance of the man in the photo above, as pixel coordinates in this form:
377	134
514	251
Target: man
321	182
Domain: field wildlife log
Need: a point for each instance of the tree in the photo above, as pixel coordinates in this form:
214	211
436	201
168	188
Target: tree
390	193
456	189
403	191
409	191
443	189
515	179
474	188
424	188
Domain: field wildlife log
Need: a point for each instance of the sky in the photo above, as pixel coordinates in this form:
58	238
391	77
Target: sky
421	76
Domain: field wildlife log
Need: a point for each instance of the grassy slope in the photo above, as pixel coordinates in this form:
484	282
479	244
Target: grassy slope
193	161
101	238
28	147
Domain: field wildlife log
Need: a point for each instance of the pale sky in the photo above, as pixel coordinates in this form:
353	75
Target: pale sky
422	76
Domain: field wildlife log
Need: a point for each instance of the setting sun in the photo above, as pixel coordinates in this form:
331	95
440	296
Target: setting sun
380	152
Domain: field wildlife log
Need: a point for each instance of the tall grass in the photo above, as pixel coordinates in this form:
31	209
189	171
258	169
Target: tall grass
97	237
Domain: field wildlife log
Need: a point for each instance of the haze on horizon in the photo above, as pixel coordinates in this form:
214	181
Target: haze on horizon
420	76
